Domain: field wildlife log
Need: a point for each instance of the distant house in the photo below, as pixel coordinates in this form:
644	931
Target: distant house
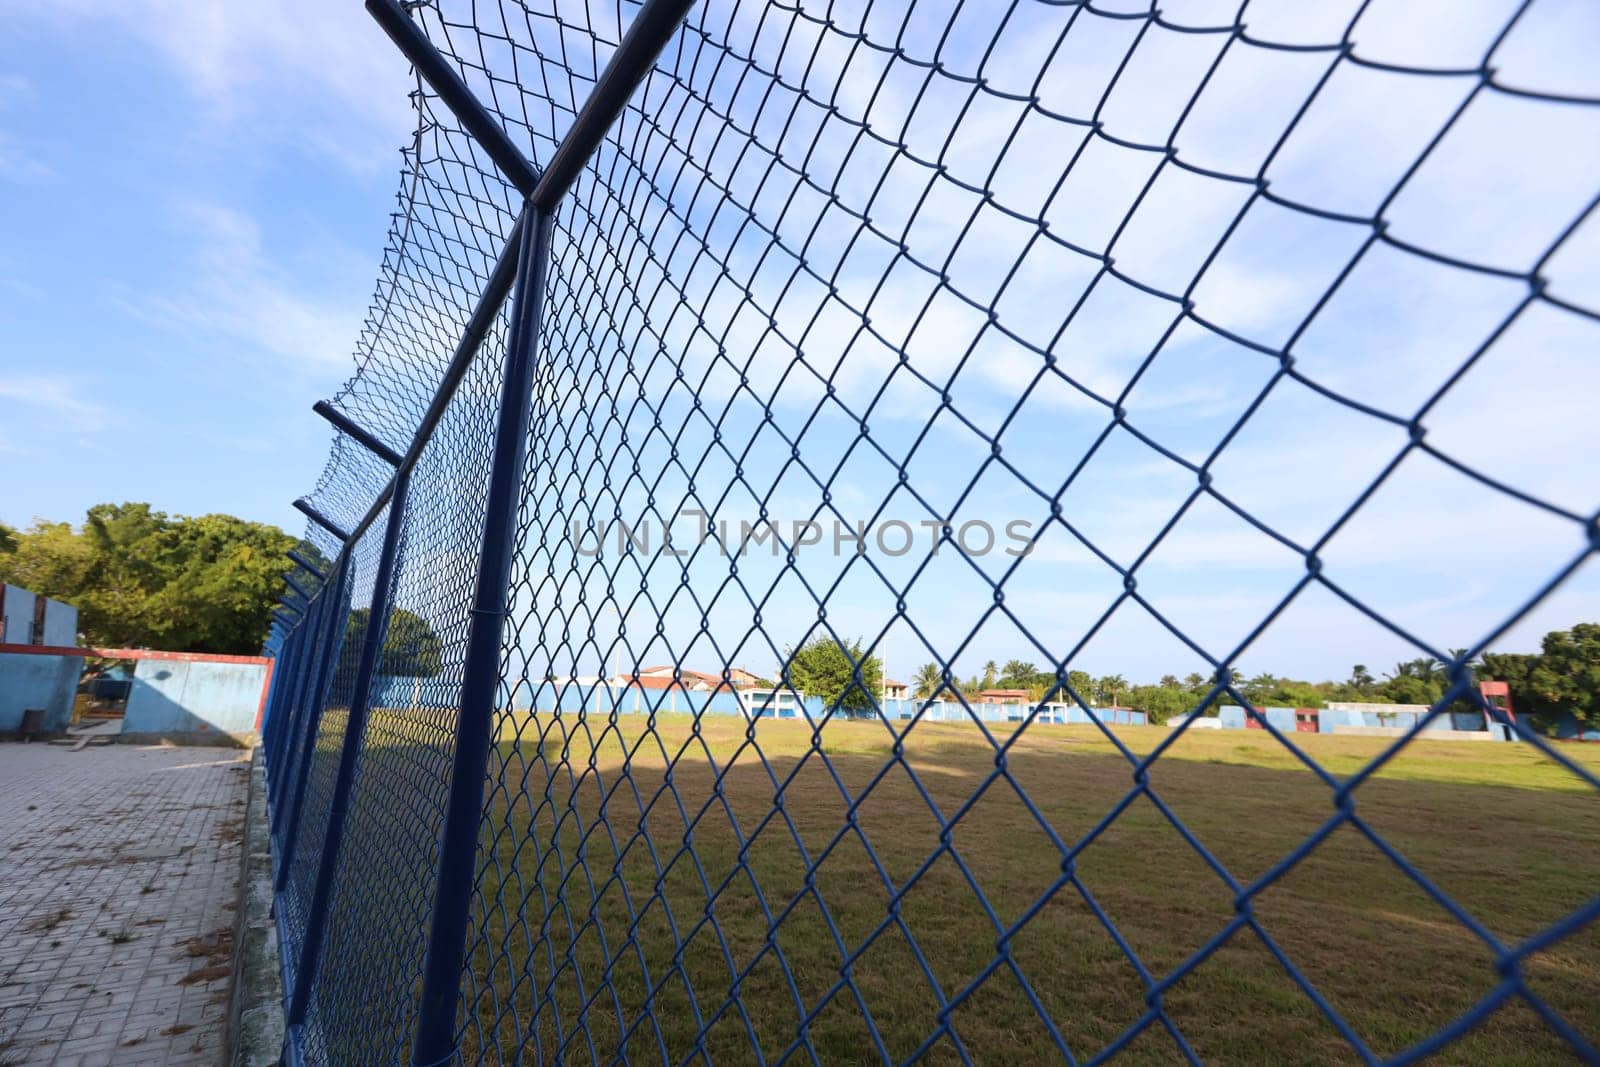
661	677
894	690
1004	696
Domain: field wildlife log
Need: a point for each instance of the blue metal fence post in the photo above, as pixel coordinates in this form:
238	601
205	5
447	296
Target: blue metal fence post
306	661
286	678
278	648
320	637
447	935
304	976
282	677
277	775
654	23
335	593
278	766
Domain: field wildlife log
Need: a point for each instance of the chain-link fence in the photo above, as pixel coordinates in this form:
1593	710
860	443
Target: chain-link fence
730	357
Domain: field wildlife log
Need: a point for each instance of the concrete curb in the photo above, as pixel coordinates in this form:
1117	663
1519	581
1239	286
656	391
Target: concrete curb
255	1011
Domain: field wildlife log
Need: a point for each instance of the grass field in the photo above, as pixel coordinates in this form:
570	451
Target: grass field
592	888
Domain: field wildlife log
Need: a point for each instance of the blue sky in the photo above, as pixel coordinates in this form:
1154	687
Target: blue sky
192	201
195	204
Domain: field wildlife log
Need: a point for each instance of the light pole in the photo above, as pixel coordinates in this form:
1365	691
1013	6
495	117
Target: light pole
607	664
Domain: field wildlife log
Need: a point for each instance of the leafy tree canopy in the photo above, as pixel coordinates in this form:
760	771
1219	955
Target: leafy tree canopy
142	578
928	680
1563	677
411	647
826	668
1566	674
1159	702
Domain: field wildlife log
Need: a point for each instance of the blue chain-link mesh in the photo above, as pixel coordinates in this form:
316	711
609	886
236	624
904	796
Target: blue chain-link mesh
1276	326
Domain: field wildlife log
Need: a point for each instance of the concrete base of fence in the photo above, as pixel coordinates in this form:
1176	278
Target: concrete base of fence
1426	735
255	1015
189	738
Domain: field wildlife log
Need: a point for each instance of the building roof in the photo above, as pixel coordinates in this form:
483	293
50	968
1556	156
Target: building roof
663	672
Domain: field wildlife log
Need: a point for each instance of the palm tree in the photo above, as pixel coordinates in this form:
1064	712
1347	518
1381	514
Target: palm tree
989	672
928	680
1018	673
1424	667
1111	685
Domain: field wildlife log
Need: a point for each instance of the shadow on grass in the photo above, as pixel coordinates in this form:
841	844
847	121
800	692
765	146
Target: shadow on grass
675	891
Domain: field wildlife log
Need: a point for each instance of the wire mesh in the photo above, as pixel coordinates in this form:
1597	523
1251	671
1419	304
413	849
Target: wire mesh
1228	304
310	830
364	995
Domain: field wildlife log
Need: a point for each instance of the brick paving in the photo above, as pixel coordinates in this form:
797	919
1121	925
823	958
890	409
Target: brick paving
119	871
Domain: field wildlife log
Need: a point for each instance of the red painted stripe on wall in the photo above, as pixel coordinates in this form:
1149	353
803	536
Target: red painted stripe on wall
130	653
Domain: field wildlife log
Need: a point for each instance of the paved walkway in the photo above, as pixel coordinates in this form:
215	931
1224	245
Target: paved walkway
118	878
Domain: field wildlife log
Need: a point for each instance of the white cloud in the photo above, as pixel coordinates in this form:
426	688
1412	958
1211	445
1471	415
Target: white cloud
321	72
17	163
1433	550
14	87
241	294
59	397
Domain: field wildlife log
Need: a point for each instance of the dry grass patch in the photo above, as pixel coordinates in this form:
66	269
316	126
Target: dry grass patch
641	875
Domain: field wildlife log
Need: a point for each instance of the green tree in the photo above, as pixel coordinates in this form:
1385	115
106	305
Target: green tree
1018	674
929	679
1082	684
1516	670
1159	702
50	558
990	672
225	576
842	674
1111	687
1259	690
140	578
411	647
1416	681
1566	674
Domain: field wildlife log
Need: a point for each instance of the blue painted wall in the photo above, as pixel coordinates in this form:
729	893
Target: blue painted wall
1568	728
31	681
1232	717
178	696
60	624
596	697
16	616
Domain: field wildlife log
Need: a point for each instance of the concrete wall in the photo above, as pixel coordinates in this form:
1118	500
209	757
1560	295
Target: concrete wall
16	616
1373	720
1233	717
17	606
33	681
1568	728
597	697
60	624
173	696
